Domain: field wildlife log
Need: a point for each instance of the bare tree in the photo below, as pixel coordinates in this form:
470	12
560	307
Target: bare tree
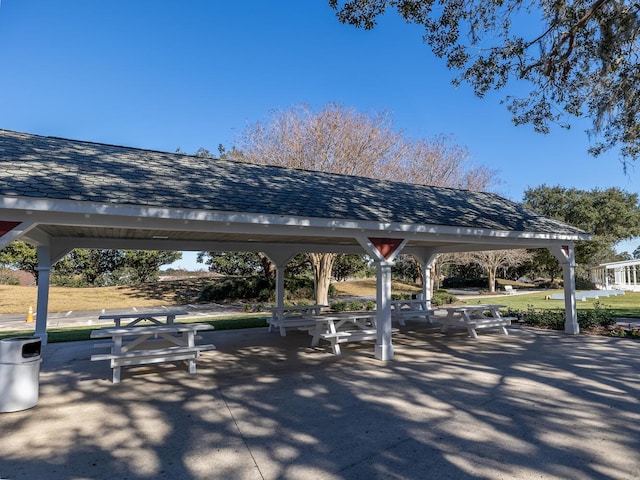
341	140
441	163
335	139
492	260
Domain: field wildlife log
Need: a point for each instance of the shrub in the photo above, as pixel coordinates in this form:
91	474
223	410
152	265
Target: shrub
258	288
238	288
400	296
461	282
297	287
339	306
554	319
355	305
442	297
599	316
542	318
584	284
8	277
370	305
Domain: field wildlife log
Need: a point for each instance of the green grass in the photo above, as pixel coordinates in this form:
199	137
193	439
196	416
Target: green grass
627	305
75	334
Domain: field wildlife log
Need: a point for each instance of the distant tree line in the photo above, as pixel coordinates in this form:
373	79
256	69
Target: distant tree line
92	267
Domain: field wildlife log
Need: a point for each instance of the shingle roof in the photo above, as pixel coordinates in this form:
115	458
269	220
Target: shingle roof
56	168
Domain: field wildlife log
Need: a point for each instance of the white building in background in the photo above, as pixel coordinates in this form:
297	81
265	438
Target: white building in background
623	275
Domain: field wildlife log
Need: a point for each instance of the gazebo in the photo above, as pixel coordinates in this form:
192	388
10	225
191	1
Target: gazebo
624	275
60	194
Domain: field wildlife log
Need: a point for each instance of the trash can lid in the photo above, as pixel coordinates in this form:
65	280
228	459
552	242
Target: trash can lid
17	349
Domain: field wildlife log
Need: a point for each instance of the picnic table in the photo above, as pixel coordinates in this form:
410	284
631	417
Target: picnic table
146	344
473	317
295	316
343	327
165	317
415	309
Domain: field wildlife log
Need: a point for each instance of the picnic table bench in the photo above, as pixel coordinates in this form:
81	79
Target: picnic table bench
415	309
344	327
473	317
155	317
151	344
295	316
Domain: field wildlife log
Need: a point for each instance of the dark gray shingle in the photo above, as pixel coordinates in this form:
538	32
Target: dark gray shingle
38	166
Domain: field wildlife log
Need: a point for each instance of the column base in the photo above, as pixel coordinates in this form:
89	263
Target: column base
384	352
571	328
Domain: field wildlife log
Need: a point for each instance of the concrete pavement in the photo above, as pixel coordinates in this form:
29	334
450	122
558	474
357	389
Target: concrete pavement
534	404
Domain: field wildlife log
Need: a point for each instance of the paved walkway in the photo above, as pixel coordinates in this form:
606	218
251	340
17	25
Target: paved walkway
15	321
532	405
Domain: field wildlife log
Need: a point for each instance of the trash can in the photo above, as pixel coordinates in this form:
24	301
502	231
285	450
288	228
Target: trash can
19	371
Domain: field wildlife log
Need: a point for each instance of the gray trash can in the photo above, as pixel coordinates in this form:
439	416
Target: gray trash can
20	359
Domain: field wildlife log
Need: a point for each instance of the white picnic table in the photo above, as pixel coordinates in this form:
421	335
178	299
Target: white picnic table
473	317
294	316
146	344
343	327
414	309
164	317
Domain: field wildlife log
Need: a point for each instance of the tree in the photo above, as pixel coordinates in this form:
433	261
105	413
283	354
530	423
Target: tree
347	265
93	265
22	256
406	268
96	266
610	215
491	260
636	252
440	163
582	60
145	264
236	263
341	140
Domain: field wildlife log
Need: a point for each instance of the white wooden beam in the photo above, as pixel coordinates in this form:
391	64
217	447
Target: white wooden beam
566	256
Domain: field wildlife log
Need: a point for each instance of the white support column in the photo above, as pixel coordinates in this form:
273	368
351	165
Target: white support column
43	269
426	284
425	259
566	256
383	251
280	257
280	288
384	345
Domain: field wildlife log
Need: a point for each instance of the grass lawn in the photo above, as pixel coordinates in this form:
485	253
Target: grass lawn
366	287
17	299
627	305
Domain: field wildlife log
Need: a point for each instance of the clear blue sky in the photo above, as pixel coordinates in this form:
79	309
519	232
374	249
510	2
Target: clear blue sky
166	74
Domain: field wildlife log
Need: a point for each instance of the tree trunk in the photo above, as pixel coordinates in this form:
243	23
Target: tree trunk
268	268
322	266
492	279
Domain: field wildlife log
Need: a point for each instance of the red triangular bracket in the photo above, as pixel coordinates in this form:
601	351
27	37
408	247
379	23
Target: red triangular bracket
386	246
6	227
